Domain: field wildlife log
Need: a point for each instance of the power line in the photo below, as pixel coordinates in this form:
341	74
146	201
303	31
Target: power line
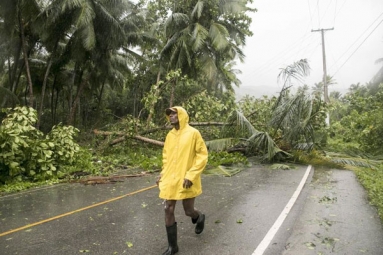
359	46
356	40
341	7
324	14
336	4
282	54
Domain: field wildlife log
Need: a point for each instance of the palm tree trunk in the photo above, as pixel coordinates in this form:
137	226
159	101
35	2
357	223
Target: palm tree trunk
100	95
55	101
174	83
76	101
13	72
23	42
150	116
45	81
43	93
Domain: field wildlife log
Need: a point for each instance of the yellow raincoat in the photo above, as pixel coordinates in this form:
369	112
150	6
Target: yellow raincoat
184	157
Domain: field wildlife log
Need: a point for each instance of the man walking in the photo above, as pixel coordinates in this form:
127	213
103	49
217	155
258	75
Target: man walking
184	158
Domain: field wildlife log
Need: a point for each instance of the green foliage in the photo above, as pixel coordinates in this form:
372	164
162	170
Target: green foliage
257	110
372	180
203	107
315	158
226	164
21	150
62	142
281	167
149	158
27	153
154	95
360	120
226	158
130	155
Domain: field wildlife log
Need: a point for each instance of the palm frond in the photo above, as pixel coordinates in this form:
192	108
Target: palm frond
88	37
224	170
180	53
221	144
358	159
298	70
209	67
262	142
359	162
229	75
232	6
238	119
198	36
294	116
70	4
304	146
175	22
257	142
218	35
105	14
169	44
85	15
197	11
280	167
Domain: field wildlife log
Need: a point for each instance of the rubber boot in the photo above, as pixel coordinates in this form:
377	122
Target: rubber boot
200	224
172	240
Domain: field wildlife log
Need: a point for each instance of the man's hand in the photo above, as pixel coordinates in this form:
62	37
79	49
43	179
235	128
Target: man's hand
158	180
187	184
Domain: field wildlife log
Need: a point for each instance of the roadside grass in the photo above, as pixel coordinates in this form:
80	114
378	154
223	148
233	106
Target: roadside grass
17	185
372	181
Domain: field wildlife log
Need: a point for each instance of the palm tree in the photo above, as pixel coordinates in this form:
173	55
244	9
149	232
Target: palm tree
293	121
203	37
335	95
18	18
92	46
317	90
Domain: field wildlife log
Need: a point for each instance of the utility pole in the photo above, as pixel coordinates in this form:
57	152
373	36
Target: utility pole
325	88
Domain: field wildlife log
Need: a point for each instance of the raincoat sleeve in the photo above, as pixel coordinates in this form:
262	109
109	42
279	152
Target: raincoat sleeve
164	157
200	160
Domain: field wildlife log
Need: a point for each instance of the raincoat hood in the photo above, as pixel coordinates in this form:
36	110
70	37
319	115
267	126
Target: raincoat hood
183	116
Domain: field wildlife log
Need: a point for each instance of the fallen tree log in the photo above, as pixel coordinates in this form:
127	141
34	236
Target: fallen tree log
139	137
148	140
123	137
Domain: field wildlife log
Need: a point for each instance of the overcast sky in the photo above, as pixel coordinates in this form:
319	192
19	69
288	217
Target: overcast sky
283	35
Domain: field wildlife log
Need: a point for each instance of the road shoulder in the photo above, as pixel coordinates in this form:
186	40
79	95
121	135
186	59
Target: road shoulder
336	218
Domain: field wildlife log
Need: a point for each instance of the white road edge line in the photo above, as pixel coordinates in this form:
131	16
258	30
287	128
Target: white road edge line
277	224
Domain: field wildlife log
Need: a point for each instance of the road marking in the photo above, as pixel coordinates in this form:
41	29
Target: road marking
277	224
75	211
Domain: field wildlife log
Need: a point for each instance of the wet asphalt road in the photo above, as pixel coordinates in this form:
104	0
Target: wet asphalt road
78	219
